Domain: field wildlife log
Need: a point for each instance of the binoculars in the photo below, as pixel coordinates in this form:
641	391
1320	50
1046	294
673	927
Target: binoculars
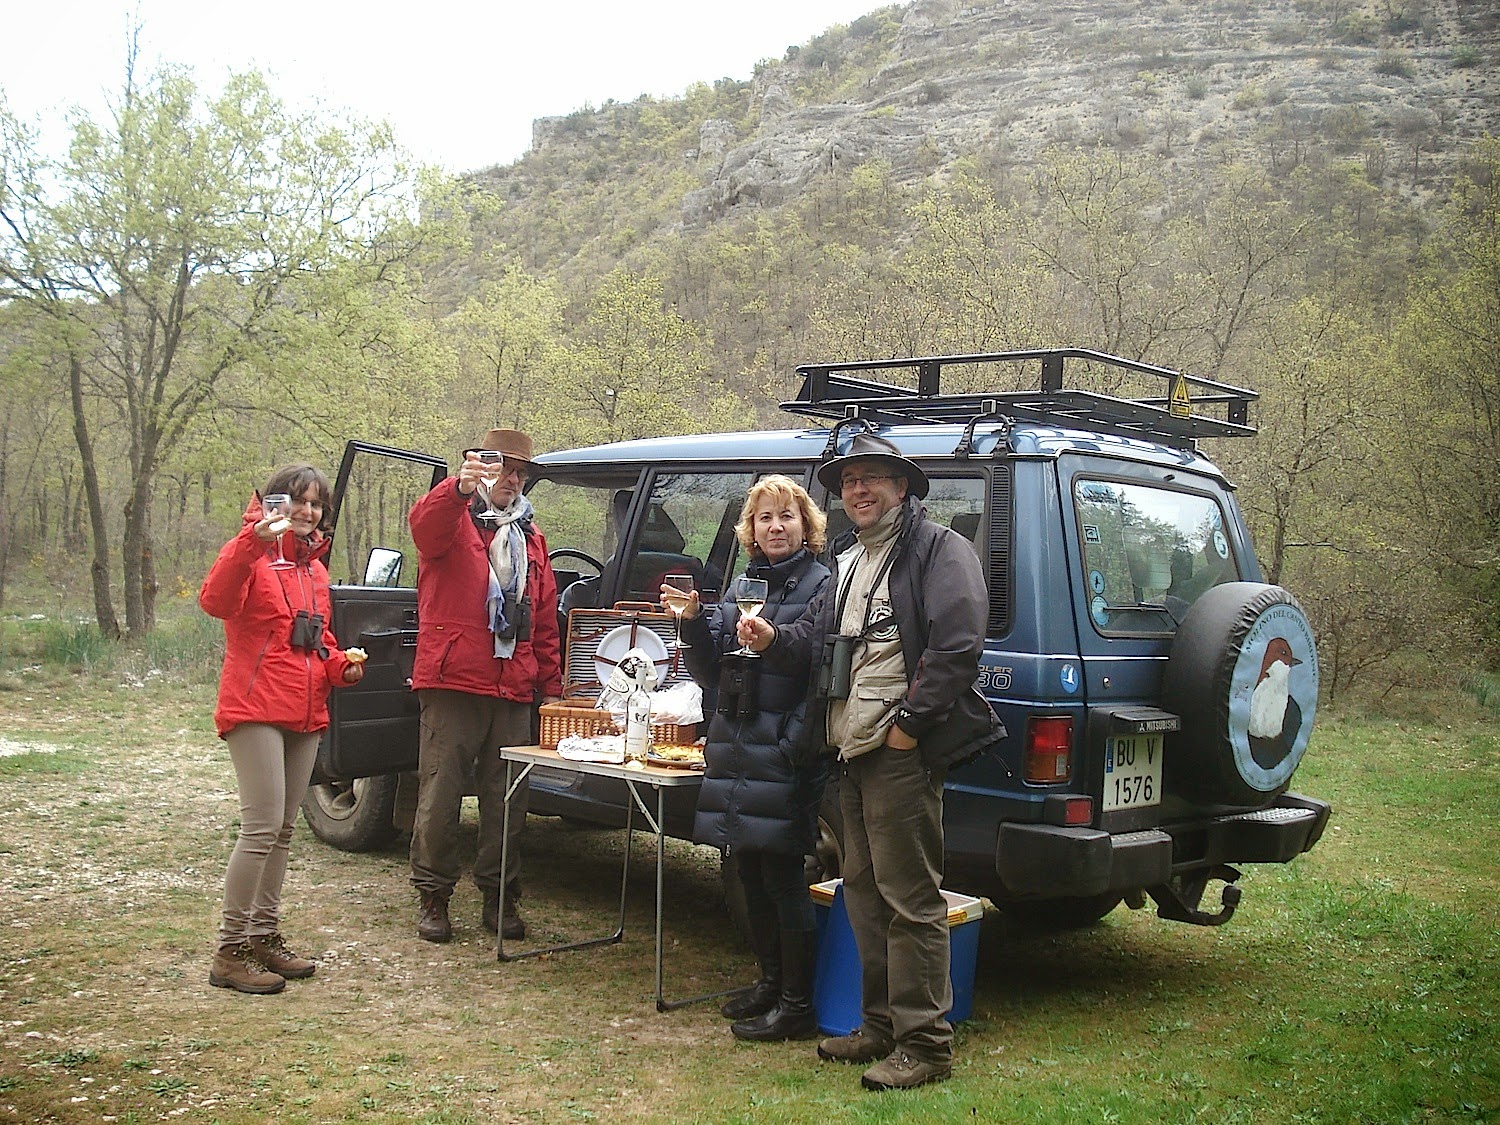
307	633
517	619
836	667
739	682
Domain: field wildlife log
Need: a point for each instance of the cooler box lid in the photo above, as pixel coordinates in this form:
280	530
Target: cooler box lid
962	908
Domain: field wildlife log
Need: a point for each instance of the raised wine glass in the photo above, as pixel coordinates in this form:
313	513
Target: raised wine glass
492	459
676	599
275	507
750	597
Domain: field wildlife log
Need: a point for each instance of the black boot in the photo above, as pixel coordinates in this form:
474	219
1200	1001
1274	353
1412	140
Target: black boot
763	994
793	1017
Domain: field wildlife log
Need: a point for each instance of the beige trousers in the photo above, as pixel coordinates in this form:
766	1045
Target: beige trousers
273	767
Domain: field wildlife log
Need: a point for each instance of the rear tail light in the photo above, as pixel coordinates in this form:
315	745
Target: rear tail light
1049	749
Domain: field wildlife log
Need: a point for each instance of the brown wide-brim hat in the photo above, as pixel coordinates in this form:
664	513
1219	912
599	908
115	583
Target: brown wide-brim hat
512	443
871	447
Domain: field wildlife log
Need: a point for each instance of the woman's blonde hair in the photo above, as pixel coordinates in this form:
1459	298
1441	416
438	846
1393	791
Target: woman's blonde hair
781	490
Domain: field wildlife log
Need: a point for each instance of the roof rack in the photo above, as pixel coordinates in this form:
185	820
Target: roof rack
1174	418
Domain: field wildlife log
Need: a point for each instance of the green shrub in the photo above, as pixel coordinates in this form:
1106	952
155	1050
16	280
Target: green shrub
1288	33
78	645
1395	64
1467	56
191	647
1485	688
1357	30
1250	96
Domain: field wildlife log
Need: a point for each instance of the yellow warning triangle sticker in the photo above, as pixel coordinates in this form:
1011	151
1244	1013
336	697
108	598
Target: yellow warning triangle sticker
1181	404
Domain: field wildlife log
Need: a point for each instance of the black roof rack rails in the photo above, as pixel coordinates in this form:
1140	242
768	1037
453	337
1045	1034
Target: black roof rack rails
828	390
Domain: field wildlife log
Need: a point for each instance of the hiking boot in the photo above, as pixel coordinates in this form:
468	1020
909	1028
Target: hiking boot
512	926
271	951
432	922
899	1071
235	966
859	1046
489	916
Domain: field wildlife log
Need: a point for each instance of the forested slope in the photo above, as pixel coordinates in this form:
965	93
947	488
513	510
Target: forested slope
1294	195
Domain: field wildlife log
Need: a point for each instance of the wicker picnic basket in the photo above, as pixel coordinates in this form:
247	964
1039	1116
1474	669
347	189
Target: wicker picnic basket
593	637
559	720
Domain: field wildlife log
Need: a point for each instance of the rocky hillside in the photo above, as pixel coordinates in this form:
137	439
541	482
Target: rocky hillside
1398	88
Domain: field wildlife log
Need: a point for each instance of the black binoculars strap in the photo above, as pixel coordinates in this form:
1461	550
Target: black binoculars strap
846	584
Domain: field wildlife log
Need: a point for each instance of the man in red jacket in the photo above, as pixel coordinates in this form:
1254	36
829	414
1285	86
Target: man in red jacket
487	655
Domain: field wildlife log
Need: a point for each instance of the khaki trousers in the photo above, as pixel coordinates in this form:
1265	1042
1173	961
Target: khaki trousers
893	873
272	767
461	736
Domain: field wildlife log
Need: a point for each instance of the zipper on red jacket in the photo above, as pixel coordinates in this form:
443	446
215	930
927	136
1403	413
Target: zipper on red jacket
312	604
259	660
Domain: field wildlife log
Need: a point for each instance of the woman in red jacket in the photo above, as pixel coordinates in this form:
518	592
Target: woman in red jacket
280	657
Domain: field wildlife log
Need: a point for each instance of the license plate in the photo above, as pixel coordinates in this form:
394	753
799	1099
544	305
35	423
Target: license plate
1132	772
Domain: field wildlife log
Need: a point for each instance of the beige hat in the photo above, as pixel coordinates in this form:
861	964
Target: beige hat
871	447
513	443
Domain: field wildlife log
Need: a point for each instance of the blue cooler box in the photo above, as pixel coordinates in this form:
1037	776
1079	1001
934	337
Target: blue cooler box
836	989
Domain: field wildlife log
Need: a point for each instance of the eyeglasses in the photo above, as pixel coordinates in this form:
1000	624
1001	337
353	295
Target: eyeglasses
515	469
868	479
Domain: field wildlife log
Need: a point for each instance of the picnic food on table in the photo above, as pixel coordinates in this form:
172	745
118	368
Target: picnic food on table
678	752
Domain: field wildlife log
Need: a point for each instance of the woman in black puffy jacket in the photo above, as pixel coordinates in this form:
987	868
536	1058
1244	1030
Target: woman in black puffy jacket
763	777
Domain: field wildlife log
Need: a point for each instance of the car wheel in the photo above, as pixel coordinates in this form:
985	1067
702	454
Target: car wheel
1243	676
354	816
827	860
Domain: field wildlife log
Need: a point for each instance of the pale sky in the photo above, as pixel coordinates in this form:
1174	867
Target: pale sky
460	82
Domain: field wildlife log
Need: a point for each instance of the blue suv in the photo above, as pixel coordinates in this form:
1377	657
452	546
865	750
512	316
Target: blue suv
1158	696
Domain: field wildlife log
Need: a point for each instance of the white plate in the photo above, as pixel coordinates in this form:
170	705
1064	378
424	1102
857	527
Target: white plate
616	643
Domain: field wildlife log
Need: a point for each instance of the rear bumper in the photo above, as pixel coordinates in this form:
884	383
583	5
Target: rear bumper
1049	861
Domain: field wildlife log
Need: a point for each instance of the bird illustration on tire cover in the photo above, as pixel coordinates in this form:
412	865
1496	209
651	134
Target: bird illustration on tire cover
1275	717
1265	684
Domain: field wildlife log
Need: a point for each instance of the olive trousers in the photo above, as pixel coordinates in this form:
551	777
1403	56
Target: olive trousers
461	736
893	873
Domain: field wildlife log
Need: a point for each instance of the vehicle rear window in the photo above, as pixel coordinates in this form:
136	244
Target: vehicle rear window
1148	553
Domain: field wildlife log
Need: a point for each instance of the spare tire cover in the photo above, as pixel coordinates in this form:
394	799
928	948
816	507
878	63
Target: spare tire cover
1243	676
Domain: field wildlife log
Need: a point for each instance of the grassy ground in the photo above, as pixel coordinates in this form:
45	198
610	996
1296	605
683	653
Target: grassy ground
1361	983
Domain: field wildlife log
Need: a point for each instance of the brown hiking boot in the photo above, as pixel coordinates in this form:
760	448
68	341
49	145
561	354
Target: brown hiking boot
271	951
859	1046
899	1071
512	926
236	967
432	922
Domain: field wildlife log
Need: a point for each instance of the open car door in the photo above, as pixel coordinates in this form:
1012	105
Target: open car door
372	731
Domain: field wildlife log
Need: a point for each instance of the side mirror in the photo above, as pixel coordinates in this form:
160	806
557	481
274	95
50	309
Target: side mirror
383	567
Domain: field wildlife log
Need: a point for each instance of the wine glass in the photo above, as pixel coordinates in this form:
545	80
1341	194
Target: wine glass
750	597
275	507
677	602
489	480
